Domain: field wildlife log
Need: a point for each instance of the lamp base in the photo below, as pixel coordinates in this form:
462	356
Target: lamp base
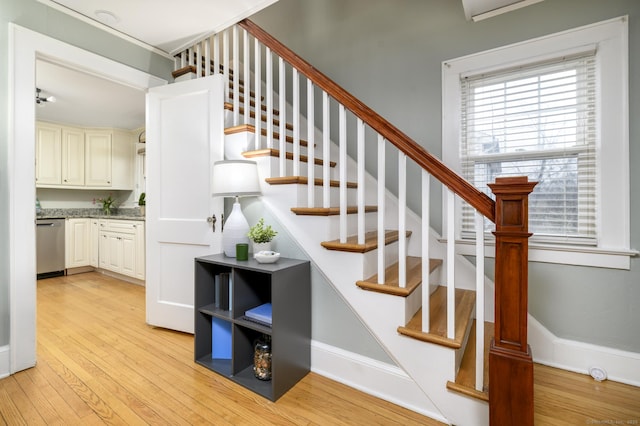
235	232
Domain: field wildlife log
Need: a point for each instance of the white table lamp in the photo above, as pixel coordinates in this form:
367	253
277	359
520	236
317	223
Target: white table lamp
235	178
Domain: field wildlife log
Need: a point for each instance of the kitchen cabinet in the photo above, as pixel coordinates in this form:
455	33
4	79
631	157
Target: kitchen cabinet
77	243
84	158
48	154
94	242
225	338
97	158
121	247
72	156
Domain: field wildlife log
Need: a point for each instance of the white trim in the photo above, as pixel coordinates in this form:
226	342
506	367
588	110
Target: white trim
105	28
5	354
24	47
499	11
611	40
567	255
548	349
377	378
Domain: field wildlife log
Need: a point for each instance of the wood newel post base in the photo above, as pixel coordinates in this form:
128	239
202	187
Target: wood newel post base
510	361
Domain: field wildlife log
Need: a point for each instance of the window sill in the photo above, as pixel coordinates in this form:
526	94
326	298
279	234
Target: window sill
567	255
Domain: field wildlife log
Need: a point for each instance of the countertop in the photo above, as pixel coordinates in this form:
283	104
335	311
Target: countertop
122	214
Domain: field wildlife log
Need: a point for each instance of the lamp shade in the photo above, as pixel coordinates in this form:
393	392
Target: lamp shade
235	178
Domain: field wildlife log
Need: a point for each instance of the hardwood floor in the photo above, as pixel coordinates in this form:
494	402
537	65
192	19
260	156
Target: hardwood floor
99	363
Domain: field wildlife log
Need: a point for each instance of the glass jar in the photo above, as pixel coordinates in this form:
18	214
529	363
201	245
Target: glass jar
262	358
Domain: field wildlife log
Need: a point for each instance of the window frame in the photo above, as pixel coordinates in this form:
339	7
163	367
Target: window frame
610	40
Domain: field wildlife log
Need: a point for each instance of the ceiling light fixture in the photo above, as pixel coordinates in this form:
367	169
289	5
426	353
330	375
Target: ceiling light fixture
107	17
40	100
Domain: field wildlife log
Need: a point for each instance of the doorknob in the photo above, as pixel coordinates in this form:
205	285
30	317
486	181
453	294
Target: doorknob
212	220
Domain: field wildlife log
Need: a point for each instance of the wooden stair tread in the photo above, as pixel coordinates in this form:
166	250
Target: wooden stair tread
303	180
251	128
330	211
273	152
392	284
229	106
370	242
464	302
263	107
466	377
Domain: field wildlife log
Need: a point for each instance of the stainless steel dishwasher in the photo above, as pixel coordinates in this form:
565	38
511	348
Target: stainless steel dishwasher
49	248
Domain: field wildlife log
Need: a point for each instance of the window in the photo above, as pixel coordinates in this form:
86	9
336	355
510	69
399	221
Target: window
537	121
554	109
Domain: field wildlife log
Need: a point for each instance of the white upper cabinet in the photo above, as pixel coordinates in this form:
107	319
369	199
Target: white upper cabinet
48	154
84	158
97	144
72	156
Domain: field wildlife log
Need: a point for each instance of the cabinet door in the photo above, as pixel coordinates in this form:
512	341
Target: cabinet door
98	158
72	156
127	250
77	243
140	251
123	160
94	243
110	252
48	154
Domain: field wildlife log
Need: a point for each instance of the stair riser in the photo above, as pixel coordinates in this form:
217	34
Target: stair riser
237	143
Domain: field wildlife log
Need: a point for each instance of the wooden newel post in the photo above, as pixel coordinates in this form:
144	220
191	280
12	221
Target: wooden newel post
510	361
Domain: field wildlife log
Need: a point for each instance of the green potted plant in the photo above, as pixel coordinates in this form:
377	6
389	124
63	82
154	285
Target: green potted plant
142	202
261	236
108	204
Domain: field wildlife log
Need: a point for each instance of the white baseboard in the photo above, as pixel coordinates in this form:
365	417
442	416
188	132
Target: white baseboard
382	380
548	349
5	368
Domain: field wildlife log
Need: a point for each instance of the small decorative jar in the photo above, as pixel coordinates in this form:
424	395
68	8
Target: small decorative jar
262	358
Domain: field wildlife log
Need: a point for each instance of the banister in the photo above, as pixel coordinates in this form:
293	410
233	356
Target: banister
477	199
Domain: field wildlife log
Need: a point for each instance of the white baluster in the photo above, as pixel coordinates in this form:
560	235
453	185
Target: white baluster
361	164
296	122
451	253
269	78
190	56
343	173
257	87
479	301
381	207
207	57
326	151
198	59
236	77
282	96
226	64
402	220
246	62
216	55
311	151
426	261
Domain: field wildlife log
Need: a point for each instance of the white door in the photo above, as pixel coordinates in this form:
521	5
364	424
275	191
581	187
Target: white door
185	135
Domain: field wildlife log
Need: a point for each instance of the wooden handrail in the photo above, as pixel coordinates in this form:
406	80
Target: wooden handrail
477	199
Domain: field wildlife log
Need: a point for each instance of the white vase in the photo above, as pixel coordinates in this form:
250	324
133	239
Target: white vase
235	231
261	247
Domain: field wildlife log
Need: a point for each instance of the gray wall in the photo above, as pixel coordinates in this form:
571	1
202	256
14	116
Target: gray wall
389	54
37	17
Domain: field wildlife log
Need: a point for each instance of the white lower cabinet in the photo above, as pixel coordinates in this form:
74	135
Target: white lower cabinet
112	244
77	246
121	247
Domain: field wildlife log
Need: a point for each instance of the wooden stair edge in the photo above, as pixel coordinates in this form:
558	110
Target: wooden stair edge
330	211
391	286
472	392
303	180
371	242
263	117
465	305
465	377
274	152
251	128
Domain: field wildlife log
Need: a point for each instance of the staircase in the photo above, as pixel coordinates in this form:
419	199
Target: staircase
425	304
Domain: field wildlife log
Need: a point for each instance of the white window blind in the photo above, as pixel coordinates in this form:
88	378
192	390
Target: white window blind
537	121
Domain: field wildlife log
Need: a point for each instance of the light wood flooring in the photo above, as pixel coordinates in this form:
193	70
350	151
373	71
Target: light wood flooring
99	363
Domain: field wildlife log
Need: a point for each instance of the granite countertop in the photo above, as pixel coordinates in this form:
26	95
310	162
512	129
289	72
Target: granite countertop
122	213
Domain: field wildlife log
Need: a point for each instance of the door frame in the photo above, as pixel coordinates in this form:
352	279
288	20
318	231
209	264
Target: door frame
24	47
